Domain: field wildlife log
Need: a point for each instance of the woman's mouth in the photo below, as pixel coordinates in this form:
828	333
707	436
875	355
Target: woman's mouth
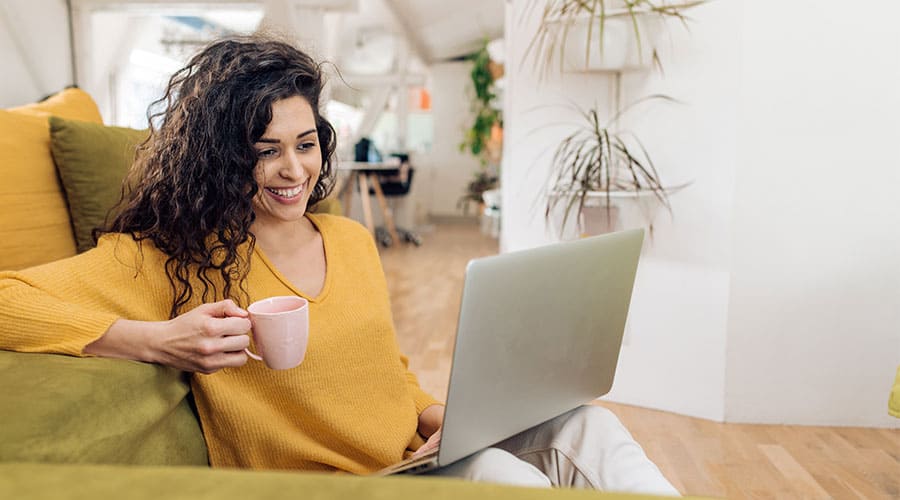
288	193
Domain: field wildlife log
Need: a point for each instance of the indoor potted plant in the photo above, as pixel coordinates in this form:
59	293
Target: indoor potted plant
596	165
604	35
488	119
482	180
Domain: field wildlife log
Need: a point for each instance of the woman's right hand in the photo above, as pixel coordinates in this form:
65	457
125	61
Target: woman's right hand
205	339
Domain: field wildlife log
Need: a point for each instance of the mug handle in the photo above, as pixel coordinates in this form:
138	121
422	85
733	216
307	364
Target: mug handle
252	355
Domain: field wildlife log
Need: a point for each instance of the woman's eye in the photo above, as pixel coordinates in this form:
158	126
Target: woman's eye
266	153
306	146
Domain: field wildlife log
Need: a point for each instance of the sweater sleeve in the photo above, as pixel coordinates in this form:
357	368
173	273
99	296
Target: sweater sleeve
63	306
421	398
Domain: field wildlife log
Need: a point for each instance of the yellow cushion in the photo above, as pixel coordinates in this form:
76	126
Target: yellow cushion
34	221
74	104
894	402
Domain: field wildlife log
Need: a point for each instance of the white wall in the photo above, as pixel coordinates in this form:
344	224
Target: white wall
34	50
748	306
444	172
814	323
673	357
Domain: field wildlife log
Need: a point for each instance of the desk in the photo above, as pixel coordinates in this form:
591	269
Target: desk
362	175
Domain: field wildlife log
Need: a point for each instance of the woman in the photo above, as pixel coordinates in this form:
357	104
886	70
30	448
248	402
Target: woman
218	218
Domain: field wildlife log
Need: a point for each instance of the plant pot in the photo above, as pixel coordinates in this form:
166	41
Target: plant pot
626	209
620	50
600	219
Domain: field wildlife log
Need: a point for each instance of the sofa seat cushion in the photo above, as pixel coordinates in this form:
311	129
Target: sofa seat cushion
38	481
92	160
34	220
63	409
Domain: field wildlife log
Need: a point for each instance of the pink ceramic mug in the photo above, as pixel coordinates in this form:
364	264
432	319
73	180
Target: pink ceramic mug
280	331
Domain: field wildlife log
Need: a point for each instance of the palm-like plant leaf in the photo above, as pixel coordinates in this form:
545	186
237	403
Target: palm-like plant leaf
595	158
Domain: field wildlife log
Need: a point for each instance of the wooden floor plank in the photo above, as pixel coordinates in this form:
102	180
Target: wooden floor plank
700	457
801	480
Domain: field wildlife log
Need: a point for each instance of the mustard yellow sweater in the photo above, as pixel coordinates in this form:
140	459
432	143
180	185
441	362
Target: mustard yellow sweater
352	405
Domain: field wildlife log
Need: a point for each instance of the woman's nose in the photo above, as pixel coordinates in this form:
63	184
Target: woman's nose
293	167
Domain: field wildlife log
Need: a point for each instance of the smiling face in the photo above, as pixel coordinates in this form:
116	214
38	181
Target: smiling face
289	161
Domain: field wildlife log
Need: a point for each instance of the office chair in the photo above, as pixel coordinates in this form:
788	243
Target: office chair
396	183
393	182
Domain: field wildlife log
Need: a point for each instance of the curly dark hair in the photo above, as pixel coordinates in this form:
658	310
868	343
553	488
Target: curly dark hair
193	180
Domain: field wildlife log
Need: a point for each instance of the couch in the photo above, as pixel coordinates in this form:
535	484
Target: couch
95	428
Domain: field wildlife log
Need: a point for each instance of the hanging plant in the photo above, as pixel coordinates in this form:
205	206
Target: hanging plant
482	137
487	116
560	19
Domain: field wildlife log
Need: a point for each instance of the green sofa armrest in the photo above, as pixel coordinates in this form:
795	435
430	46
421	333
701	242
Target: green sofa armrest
40	481
63	409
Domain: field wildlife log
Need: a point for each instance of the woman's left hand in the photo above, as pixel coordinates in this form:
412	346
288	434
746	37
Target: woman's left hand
429	445
430	421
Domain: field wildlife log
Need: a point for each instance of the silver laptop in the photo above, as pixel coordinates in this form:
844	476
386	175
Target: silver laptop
539	334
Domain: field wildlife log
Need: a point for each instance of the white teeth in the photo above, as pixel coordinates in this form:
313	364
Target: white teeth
287	193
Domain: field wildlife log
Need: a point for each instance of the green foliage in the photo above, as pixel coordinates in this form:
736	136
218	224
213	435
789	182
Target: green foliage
486	116
479	134
481	76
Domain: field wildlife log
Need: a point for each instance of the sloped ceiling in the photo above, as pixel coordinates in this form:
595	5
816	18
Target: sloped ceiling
450	29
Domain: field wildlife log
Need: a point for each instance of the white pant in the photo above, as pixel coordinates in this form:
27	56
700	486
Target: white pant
585	448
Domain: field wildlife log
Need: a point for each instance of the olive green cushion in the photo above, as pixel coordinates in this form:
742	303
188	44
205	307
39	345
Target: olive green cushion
62	409
92	160
330	205
35	482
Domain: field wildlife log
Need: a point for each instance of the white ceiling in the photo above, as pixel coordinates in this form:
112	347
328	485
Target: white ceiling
365	38
451	29
436	30
369	36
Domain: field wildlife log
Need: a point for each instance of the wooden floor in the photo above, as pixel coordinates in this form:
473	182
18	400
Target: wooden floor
699	457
